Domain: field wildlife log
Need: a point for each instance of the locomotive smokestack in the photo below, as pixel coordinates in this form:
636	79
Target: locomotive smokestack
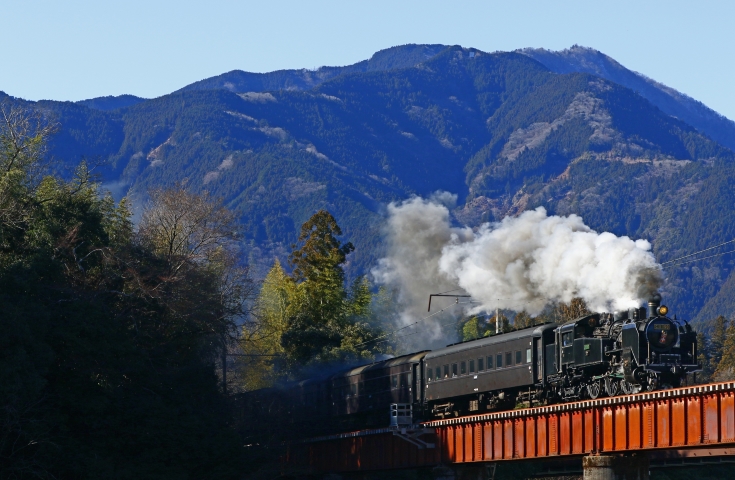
653	303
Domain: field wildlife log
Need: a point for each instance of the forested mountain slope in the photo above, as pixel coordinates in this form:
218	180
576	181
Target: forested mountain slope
500	130
670	101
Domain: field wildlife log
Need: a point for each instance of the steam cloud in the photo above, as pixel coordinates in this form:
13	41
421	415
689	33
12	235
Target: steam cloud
521	263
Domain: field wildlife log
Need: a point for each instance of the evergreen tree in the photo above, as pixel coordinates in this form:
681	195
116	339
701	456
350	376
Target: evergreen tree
704	358
326	322
726	366
717	341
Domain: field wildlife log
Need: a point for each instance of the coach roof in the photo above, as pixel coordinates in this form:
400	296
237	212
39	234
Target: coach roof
392	362
535	331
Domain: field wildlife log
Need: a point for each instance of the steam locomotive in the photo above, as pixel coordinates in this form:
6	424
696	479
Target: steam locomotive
595	355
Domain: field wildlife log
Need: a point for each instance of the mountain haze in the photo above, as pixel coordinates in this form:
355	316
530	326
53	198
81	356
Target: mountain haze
506	132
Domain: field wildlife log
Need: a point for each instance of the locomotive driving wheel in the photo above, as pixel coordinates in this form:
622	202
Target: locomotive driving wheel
594	388
629	388
612	386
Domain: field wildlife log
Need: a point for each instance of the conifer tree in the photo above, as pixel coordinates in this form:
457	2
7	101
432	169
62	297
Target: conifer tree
326	322
717	341
704	358
726	366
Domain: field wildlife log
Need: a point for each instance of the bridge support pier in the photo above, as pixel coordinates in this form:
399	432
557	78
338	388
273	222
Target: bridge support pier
615	467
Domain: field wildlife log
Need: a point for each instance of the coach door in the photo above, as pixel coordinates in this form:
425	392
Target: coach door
539	363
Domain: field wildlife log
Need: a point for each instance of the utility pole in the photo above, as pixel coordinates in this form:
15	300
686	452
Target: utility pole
497	320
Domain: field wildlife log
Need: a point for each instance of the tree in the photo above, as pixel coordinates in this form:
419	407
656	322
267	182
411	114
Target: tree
261	337
523	320
717	340
185	227
475	327
102	331
704	358
24	134
726	366
318	266
326	323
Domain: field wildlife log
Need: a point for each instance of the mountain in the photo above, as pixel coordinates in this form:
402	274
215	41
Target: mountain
501	130
670	101
389	59
110	102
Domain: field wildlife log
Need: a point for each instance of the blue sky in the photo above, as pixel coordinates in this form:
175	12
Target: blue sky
73	50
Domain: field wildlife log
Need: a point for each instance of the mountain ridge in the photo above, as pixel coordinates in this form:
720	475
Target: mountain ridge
501	130
669	100
239	81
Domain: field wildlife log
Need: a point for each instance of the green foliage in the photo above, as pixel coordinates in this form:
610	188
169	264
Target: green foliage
262	337
326	323
704	358
476	327
107	359
726	365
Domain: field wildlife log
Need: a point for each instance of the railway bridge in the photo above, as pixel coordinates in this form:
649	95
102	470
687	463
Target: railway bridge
618	437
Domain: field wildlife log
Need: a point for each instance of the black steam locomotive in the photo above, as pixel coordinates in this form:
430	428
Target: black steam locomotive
592	356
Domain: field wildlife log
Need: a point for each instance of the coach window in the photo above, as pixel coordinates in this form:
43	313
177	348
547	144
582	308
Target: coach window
454	369
463	368
446	371
353	389
394	381
490	362
438	373
508	359
480	366
428	374
472	366
498	360
528	355
519	358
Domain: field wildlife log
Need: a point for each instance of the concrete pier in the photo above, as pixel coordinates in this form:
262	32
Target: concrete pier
615	467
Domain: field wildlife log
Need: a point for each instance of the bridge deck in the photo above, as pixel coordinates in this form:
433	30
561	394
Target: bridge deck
682	418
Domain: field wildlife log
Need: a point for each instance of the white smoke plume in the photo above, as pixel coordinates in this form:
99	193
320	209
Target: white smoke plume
416	231
522	263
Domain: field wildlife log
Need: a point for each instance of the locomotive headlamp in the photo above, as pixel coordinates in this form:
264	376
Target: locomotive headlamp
663	310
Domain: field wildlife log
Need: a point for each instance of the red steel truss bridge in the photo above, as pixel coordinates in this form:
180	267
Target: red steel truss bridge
618	437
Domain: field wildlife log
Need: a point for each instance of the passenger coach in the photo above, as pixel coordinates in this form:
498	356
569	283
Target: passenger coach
487	373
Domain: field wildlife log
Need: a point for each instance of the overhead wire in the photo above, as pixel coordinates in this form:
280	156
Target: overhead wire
697	253
703	258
